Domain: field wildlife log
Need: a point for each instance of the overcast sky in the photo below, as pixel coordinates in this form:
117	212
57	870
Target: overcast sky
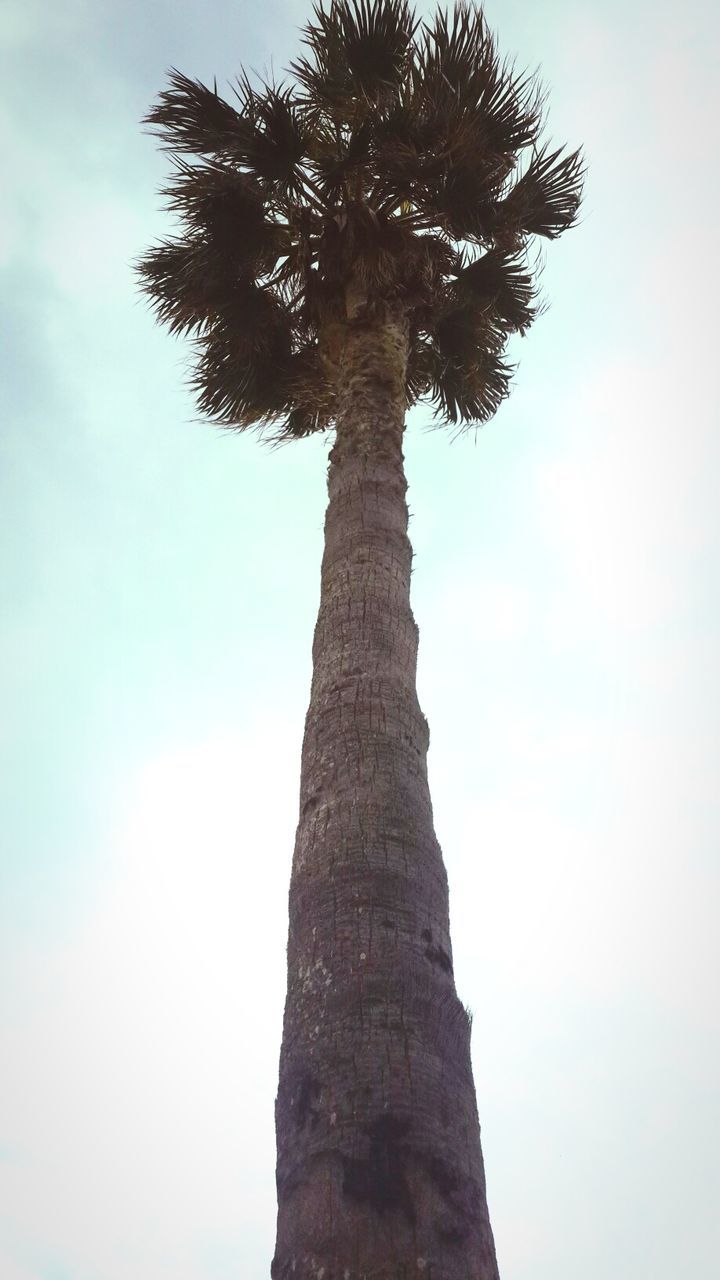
159	587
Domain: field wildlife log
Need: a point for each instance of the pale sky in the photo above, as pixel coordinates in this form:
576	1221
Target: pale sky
159	582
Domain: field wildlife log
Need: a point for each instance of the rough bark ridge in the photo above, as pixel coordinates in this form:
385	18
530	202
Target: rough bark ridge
379	1173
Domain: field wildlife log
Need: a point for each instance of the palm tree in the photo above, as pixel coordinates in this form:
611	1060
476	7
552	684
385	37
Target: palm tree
354	240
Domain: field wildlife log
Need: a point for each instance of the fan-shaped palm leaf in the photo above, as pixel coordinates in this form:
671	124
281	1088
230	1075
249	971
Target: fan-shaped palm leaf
545	200
339	161
278	136
359	51
501	283
241	379
226	207
188	117
183	288
469	391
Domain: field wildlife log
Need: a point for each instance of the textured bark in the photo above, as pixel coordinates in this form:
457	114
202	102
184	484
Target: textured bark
379	1173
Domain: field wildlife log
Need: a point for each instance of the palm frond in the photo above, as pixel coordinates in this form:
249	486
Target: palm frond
416	146
458	65
239	385
301	421
254	318
225	206
545	200
433	153
510	109
420	367
323	301
468	392
452	143
461	367
464	328
431	259
500	282
460	201
192	288
182	284
339	161
312	396
359	53
189	117
277	135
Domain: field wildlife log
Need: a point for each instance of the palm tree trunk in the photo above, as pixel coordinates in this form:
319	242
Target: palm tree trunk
379	1173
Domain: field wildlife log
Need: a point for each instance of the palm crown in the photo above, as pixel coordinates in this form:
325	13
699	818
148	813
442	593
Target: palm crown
404	161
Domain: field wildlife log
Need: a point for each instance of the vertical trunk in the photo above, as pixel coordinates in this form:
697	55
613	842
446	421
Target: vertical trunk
379	1172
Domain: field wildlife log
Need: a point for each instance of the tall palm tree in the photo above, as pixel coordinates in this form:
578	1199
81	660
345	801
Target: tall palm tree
354	240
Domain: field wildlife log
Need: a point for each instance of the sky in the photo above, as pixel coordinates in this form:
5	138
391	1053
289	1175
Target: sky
159	582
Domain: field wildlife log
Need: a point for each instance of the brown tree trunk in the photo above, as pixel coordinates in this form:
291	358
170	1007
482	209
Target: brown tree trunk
379	1172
